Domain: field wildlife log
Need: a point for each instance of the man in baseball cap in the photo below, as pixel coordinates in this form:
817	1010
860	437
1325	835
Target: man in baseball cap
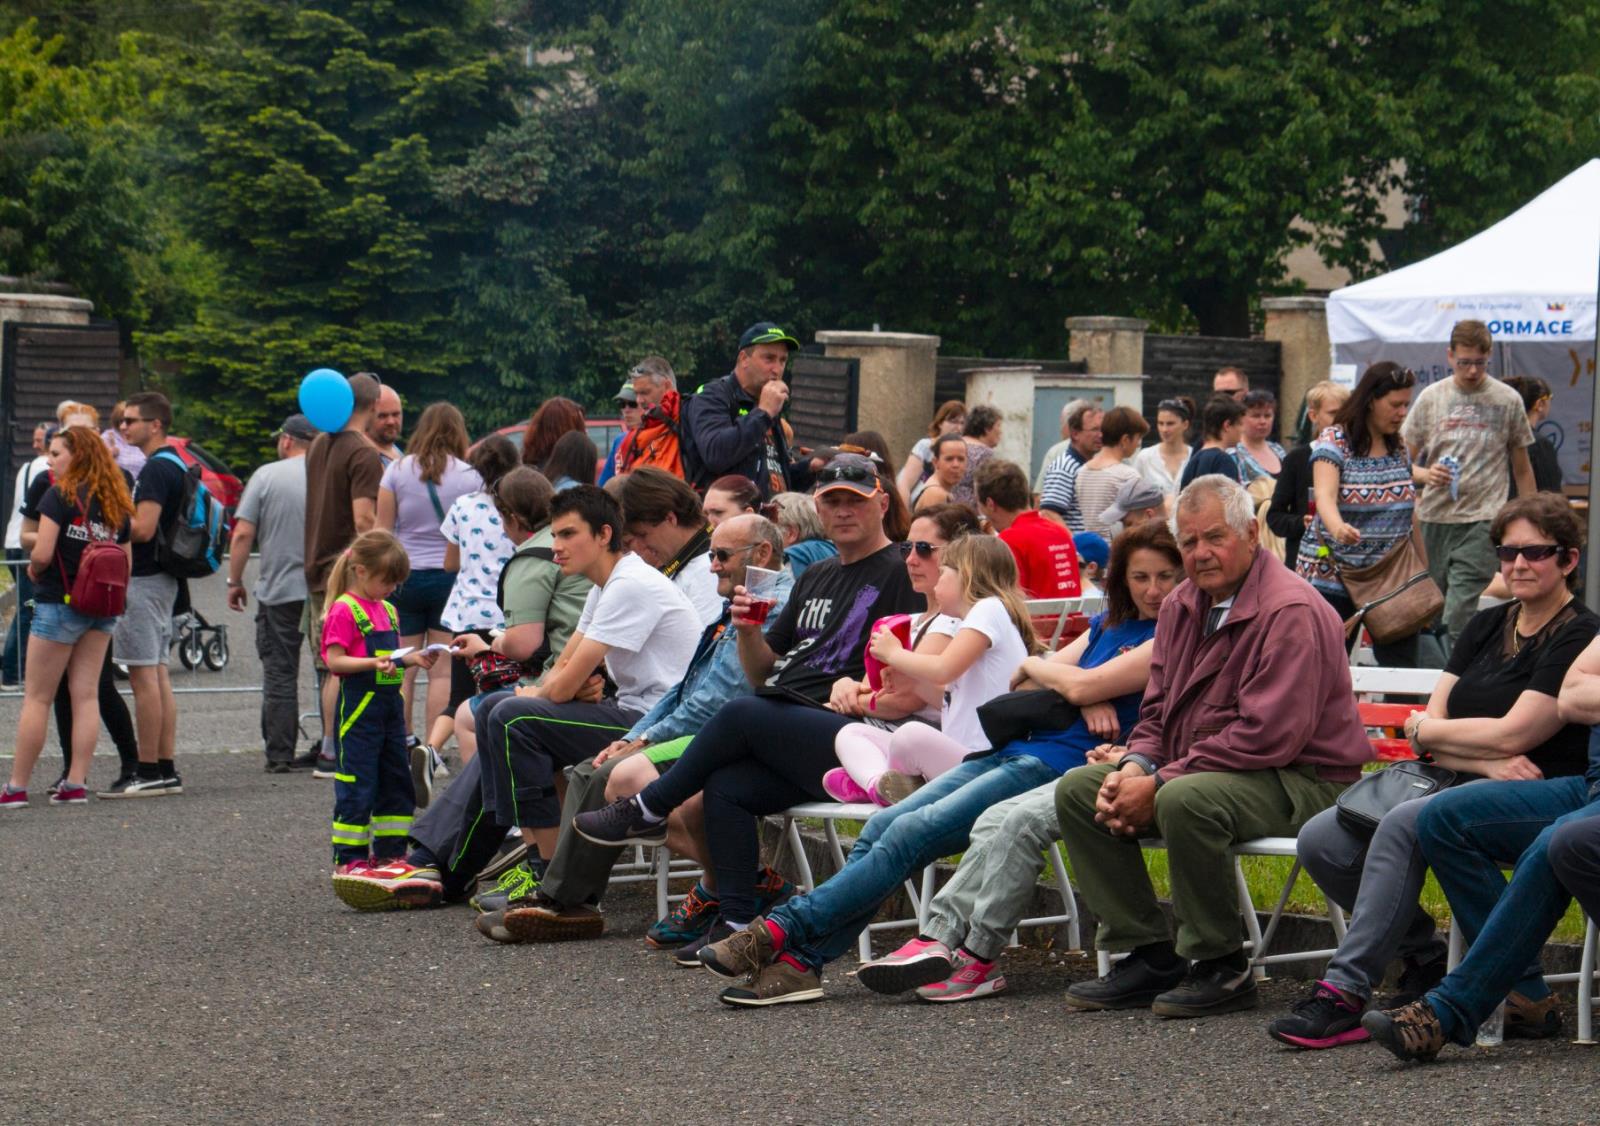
734	424
1137	500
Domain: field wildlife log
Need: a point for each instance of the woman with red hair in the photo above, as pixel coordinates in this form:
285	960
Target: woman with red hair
554	418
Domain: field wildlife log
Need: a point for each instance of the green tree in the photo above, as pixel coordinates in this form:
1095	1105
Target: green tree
312	140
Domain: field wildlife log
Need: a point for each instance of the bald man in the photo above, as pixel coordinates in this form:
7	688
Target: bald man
384	428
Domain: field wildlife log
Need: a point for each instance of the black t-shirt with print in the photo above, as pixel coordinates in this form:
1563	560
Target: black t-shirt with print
822	630
77	529
1490	683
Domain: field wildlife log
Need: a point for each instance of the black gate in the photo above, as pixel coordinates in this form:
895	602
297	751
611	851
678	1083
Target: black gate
823	393
1184	365
43	365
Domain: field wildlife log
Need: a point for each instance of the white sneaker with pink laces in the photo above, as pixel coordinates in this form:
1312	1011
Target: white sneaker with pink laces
970	980
919	962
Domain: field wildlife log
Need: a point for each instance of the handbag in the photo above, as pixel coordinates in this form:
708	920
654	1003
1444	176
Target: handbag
1016	715
1362	805
1394	597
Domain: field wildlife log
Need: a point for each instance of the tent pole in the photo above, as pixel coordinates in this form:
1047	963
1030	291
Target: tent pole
1591	567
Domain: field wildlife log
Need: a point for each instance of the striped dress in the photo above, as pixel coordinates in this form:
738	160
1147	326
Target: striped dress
1376	497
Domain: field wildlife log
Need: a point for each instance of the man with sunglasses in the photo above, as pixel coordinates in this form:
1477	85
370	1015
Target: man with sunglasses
735	425
562	908
1468	437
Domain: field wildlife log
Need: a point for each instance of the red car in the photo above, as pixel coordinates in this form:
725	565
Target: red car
602	432
222	482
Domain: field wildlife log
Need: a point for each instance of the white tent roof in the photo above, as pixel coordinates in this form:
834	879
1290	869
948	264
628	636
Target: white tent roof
1531	276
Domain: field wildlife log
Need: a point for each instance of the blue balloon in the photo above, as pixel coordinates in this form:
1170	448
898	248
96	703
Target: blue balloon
326	399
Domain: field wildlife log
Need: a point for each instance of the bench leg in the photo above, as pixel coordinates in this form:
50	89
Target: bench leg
1586	986
663	873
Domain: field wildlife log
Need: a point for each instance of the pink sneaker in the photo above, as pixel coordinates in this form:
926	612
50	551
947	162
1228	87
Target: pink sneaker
843	788
918	962
970	980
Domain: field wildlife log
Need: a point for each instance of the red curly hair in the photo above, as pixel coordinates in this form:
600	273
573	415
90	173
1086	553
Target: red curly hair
93	473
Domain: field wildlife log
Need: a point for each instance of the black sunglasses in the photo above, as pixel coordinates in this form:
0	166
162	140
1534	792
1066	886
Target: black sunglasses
723	554
1532	552
923	548
852	474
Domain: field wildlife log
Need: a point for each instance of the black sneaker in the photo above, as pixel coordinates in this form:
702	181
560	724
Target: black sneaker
278	767
115	790
1216	985
171	785
688	955
1417	977
305	760
421	773
1132	983
1328	1018
139	788
620	823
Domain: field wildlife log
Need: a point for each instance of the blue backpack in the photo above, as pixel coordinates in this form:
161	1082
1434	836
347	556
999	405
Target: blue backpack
192	546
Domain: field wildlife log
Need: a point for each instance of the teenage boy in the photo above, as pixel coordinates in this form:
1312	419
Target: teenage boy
143	638
666	527
1047	562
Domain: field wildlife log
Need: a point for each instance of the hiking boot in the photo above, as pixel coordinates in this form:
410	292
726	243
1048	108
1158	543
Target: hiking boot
1215	985
621	823
742	953
686	922
492	925
781	983
1131	983
772	889
388	885
538	918
518	880
1411	1033
893	787
688	955
970	980
919	962
1532	1020
1326	1019
1417	977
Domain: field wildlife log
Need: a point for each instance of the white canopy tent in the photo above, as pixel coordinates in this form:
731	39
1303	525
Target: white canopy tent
1533	279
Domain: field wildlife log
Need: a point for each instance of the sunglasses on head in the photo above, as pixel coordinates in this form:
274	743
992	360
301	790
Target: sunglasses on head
723	554
849	474
1532	552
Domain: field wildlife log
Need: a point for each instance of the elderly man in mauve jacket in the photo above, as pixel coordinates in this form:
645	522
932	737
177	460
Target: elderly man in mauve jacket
1248	728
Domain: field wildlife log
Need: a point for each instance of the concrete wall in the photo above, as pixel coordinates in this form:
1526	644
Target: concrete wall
897	377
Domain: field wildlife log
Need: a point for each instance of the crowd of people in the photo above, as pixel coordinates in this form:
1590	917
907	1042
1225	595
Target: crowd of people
709	624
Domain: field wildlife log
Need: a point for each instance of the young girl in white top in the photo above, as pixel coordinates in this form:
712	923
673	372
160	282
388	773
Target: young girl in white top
978	584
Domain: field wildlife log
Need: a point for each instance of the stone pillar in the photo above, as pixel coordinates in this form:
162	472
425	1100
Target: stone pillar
1009	391
1300	326
1108	345
897	376
41	308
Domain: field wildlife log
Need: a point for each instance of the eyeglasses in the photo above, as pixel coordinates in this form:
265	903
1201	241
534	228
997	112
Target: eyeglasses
1472	363
1532	552
848	474
127	420
723	554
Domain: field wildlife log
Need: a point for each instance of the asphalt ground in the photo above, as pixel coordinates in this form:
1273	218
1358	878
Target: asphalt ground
183	960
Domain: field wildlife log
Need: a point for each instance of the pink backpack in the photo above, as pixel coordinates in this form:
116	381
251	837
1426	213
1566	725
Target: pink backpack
100	588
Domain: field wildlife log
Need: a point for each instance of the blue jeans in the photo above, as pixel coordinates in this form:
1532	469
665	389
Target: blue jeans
935	821
1465	835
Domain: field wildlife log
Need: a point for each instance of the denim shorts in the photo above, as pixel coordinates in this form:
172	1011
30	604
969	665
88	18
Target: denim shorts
421	598
55	621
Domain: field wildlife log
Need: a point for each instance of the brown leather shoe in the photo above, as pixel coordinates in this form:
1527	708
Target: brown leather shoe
539	919
742	954
1532	1020
777	984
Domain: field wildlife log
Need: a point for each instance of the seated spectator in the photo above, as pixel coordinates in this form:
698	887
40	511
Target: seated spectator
1468	832
982	435
666	527
1240	736
950	418
1047	562
1094	555
573	461
1289	514
1137	501
562	905
728	497
541	605
1493	714
949	467
1121	431
1222	420
653	442
762	754
804	541
1104	672
976	586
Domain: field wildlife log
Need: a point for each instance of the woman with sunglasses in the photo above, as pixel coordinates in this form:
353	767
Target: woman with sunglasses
1365	494
1163	463
1492	715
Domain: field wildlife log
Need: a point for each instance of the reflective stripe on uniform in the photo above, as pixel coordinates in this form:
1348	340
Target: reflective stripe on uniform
391	826
345	834
346	722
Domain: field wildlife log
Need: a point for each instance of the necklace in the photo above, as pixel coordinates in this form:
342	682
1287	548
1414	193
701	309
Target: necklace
1517	638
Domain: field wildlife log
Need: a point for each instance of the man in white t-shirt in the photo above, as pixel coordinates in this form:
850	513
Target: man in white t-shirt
1480	423
663	523
17	634
635	622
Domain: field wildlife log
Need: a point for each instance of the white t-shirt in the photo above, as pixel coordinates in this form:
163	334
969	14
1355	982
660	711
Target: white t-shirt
649	626
25	476
989	676
699	586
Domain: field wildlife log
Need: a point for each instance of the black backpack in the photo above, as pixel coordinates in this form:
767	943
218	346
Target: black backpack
193	546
